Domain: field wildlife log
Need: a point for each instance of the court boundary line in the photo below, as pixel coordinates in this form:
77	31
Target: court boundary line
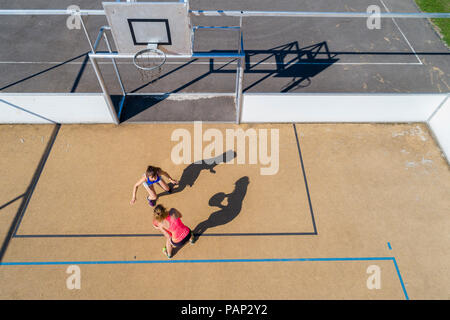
298	63
404	36
313	233
29	192
110	262
305	180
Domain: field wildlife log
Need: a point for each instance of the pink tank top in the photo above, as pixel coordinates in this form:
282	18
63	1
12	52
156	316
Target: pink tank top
176	228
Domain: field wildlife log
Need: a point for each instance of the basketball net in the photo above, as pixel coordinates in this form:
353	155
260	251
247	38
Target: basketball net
149	63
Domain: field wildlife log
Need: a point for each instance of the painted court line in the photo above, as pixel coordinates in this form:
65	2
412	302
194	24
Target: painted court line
313	233
115	262
29	192
406	39
249	234
37	176
400	278
304	177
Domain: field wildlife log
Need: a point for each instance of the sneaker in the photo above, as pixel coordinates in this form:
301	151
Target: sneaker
192	240
151	202
164	250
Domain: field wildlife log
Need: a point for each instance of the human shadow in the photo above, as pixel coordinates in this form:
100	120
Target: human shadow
226	213
192	171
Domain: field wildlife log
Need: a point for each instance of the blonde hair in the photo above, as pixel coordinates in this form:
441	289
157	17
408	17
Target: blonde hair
160	213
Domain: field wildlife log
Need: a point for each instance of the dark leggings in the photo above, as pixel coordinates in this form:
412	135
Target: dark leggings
182	242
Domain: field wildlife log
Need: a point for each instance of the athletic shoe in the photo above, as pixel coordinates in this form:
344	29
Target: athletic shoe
164	250
151	202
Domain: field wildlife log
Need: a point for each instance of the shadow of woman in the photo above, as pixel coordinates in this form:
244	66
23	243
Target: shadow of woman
192	171
226	213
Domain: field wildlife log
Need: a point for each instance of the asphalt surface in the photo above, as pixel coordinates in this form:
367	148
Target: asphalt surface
40	54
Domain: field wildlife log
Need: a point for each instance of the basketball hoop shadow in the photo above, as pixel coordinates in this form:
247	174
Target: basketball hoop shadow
291	61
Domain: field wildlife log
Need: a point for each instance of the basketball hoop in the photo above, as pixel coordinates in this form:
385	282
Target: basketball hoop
149	63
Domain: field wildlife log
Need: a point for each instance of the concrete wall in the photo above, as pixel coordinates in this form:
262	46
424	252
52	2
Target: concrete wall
339	107
439	124
433	109
53	108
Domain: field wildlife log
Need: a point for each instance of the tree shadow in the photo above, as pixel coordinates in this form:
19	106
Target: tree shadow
226	213
192	171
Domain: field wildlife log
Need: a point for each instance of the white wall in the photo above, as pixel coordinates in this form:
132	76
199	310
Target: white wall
433	109
53	108
439	124
339	107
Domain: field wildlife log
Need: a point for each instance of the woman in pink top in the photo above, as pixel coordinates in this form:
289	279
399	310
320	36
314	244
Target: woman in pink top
170	224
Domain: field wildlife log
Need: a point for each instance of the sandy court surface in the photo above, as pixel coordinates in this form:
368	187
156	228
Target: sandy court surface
21	149
389	183
293	280
87	184
368	184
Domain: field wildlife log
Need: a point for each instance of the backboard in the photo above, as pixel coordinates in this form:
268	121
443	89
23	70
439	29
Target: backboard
135	25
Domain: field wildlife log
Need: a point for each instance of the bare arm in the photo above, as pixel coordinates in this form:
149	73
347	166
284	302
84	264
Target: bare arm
164	173
161	228
136	186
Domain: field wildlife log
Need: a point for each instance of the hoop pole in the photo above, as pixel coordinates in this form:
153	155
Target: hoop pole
55	12
99	36
107	55
116	69
231	13
239	86
106	95
241	42
412	15
87	34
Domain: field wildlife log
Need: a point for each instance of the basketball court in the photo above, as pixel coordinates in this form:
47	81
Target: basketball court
345	197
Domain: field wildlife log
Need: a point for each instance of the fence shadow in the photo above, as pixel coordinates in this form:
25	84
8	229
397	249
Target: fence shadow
288	61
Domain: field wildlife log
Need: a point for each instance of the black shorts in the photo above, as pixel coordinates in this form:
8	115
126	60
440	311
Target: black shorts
182	242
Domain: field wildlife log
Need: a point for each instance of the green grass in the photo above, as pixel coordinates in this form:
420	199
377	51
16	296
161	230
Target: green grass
443	25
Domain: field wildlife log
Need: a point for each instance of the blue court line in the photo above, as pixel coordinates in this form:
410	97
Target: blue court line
400	278
45	263
57	263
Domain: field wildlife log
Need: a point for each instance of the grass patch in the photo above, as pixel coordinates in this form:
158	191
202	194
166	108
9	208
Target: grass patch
443	25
